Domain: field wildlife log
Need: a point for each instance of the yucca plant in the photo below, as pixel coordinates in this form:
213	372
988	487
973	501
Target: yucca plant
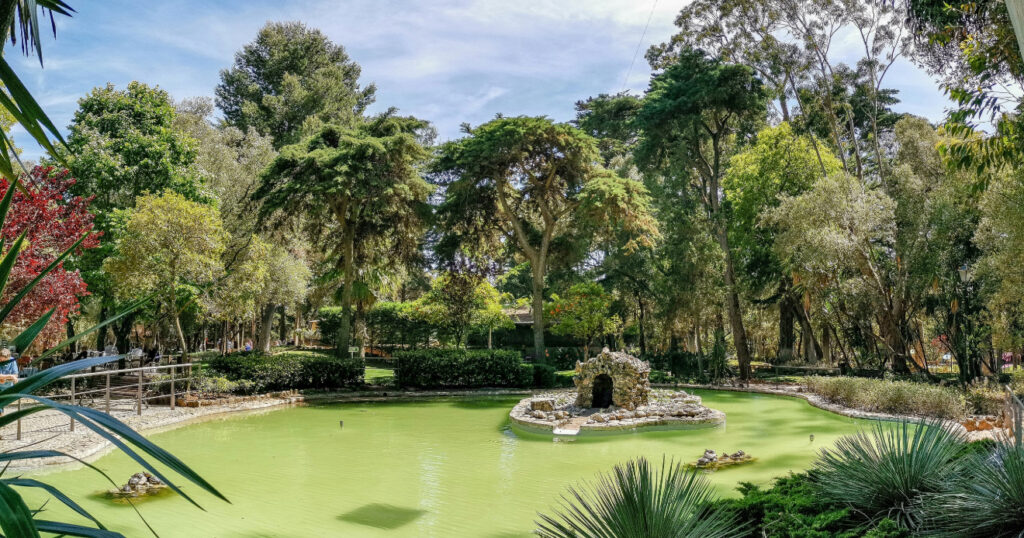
986	500
636	500
886	472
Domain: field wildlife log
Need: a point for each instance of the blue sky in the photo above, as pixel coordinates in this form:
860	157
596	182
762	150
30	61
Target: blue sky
448	61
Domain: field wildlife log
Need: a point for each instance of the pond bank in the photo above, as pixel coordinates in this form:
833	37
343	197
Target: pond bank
798	391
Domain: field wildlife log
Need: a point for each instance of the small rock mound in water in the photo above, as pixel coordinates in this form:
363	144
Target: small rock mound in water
138	485
711	460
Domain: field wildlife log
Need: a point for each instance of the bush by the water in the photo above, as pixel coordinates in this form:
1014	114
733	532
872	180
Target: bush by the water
289	370
461	368
895	397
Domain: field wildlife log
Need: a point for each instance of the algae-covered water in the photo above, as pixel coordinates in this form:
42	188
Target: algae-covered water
448	467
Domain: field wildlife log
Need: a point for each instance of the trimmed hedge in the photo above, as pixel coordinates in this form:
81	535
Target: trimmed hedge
289	370
460	368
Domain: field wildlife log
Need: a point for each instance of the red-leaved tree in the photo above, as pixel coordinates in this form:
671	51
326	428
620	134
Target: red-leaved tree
53	220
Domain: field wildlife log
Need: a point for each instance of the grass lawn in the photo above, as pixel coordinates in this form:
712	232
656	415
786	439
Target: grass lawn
378	373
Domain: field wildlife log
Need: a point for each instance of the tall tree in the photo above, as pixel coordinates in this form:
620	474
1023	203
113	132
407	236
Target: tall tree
360	193
122	144
537	185
170	246
290	81
780	163
695	113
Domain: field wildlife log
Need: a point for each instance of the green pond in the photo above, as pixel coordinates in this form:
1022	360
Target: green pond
443	467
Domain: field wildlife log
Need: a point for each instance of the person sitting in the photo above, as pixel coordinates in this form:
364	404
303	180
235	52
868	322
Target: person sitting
8	368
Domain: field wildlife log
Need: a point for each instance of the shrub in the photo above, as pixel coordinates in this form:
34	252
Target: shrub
792	507
563	358
986	500
886	396
460	368
637	500
886	473
985	400
289	370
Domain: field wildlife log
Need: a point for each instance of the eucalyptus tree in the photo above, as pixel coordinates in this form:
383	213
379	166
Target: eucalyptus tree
694	116
290	81
359	193
537	186
780	163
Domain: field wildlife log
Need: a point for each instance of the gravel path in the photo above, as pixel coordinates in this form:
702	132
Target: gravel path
51	430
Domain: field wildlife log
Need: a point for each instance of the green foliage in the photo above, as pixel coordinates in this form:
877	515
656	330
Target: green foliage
170	246
986	500
582	312
359	194
793	508
636	500
563	358
888	396
459	368
532	184
395	324
288	370
459	301
544	376
886	473
290	81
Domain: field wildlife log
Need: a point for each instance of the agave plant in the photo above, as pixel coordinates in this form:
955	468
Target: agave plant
886	472
986	500
635	500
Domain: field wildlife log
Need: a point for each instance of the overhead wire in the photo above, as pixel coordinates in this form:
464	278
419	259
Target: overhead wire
625	81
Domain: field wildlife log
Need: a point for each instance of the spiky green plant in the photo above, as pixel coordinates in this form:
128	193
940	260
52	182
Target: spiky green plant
986	500
886	472
635	500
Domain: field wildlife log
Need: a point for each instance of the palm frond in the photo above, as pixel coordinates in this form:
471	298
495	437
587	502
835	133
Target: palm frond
635	500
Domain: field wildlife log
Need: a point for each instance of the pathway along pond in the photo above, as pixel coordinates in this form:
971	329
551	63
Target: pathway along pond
444	467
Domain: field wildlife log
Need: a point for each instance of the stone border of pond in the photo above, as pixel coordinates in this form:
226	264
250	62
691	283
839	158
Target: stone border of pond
815	400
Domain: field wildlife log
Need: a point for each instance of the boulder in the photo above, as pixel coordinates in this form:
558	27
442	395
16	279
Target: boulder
543	404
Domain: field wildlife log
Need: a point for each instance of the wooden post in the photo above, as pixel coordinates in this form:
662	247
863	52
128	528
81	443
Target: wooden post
72	401
173	397
138	405
107	398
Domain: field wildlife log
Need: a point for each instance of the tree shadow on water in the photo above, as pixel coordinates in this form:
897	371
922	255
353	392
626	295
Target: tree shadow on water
382	516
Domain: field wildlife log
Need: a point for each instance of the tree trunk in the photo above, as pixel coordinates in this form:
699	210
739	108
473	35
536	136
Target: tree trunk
538	314
344	339
786	336
732	300
640	322
266	328
101	335
181	336
283	327
490	334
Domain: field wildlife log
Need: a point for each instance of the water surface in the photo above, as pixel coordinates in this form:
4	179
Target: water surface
449	467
